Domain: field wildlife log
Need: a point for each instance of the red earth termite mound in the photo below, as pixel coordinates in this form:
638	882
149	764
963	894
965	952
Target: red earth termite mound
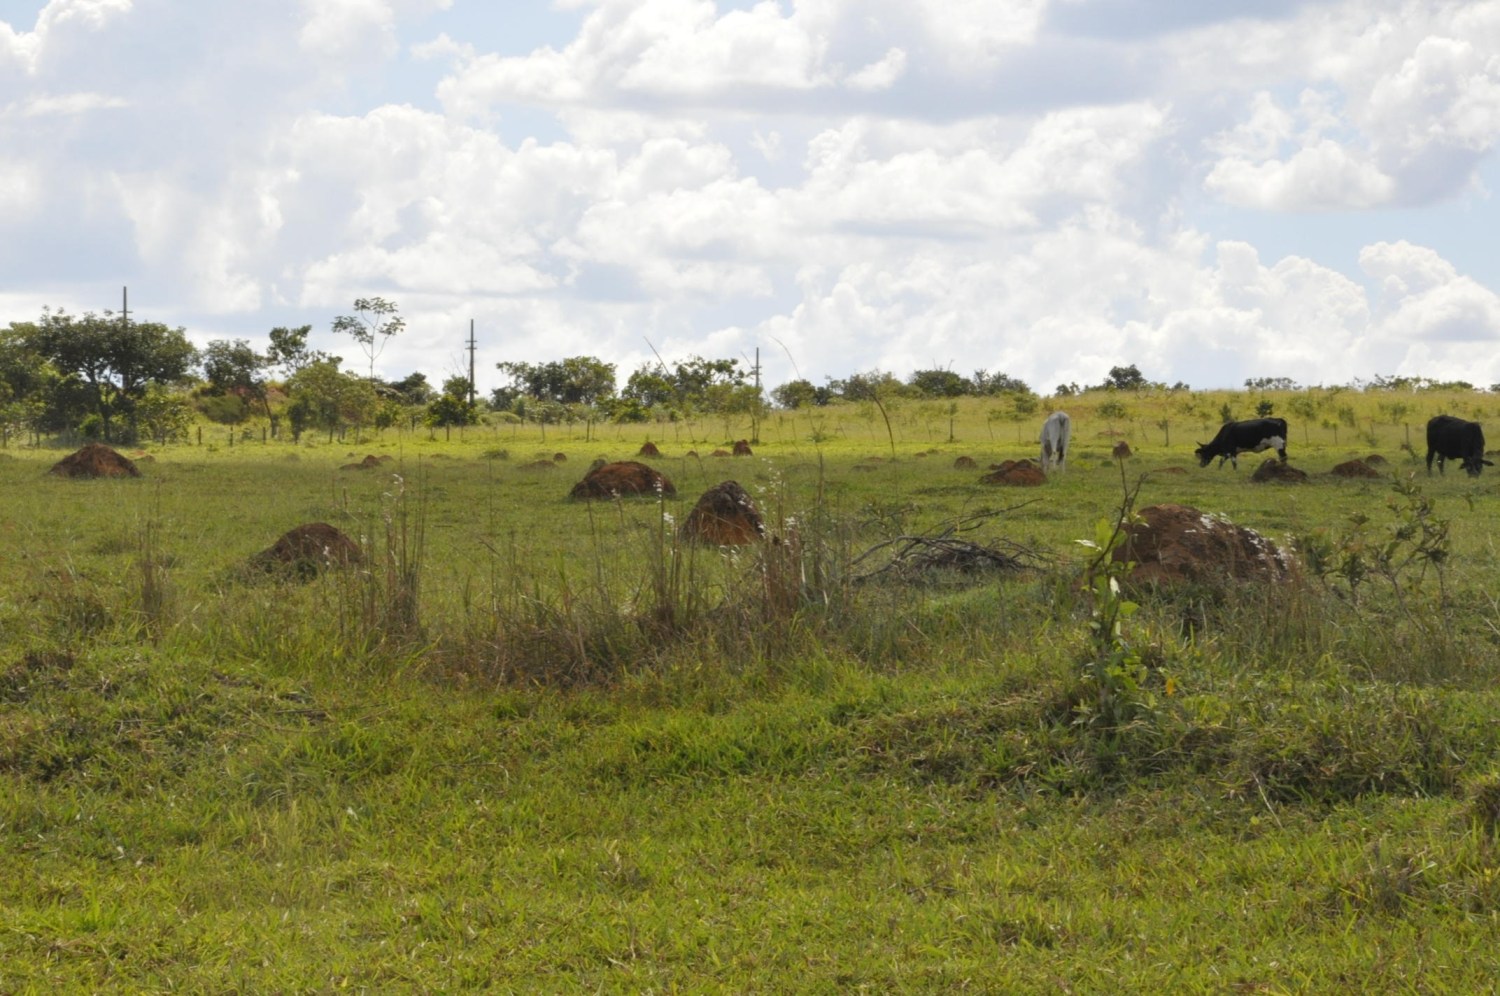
725	515
308	549
742	447
1178	543
648	449
1355	468
1121	450
964	463
1275	470
624	477
95	460
1016	474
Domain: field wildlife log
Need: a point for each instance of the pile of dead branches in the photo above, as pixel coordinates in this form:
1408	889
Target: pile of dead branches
926	556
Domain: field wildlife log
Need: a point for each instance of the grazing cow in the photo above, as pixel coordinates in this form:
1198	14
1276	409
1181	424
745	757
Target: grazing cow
1450	438
1056	432
1251	436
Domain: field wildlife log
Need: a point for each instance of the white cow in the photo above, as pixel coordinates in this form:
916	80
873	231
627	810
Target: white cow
1056	432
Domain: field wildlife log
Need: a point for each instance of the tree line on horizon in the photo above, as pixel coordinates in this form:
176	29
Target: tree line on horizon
120	381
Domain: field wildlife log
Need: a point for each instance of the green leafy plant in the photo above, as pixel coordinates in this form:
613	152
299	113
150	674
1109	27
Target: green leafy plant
1114	673
1401	553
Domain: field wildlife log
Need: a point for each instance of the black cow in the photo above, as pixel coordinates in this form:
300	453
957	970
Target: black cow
1451	438
1235	438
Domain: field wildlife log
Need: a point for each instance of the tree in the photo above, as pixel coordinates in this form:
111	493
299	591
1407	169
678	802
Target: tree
374	322
868	386
452	407
289	349
800	393
232	367
650	386
413	388
939	383
693	383
576	380
1124	379
999	383
325	397
113	362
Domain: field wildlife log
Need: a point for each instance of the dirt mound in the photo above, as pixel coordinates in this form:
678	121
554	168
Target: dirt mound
1355	468
648	448
1177	543
1121	450
719	453
625	477
726	516
559	458
1275	470
1016	474
95	460
308	549
368	463
1375	460
1170	470
965	463
742	447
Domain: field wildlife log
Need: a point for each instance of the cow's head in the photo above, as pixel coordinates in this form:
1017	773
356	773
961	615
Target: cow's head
1203	455
1474	464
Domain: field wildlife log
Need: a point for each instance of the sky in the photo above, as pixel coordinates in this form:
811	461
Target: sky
1042	188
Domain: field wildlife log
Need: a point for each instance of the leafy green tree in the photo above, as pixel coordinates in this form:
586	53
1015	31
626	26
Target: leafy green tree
112	362
233	367
449	410
800	393
1124	379
413	388
325	397
576	380
868	386
289	351
374	322
939	383
650	386
999	383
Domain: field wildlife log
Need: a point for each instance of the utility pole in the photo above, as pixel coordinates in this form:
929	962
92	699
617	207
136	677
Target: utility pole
471	362
125	307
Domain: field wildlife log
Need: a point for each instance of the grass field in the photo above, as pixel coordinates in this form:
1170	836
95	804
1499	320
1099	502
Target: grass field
543	746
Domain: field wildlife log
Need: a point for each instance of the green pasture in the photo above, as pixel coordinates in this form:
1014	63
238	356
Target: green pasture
538	745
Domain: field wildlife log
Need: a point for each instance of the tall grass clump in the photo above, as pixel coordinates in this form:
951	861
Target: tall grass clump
380	607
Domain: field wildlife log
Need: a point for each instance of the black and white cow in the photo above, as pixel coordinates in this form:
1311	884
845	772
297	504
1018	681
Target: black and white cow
1252	435
1056	432
1451	438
